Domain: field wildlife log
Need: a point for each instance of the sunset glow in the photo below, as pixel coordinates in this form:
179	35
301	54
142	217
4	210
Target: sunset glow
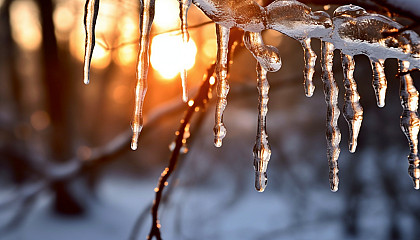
167	55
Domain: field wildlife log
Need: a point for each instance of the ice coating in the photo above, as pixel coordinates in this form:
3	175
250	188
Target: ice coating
409	121
333	134
184	5
222	34
268	56
262	151
297	21
358	32
379	82
91	14
352	110
245	14
308	73
147	13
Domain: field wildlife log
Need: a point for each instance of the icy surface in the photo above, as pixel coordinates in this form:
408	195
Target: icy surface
262	151
310	59
245	14
410	122
352	111
268	60
297	21
379	82
268	56
184	5
91	14
222	83
147	13
331	98
358	32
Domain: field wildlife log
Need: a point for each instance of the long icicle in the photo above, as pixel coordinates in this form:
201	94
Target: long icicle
333	134
184	5
310	60
262	151
222	88
91	14
379	82
147	13
409	121
352	110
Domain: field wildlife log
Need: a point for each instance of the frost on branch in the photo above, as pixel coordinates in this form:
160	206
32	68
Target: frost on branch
352	30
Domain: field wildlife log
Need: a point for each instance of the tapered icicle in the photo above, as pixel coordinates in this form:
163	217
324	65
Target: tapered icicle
147	13
91	14
310	59
222	88
184	5
352	110
379	82
331	96
262	151
409	121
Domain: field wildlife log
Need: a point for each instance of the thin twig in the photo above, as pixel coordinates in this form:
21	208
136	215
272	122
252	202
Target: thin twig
199	102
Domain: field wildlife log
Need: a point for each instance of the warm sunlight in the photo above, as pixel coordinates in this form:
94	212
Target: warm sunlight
26	30
126	53
101	57
167	55
166	15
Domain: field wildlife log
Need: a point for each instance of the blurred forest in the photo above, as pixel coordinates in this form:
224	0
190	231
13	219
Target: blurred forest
67	170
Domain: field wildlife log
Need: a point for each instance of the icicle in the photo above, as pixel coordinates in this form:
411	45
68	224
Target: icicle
146	18
331	95
409	121
352	111
268	59
184	5
379	81
91	14
310	59
222	83
268	56
262	151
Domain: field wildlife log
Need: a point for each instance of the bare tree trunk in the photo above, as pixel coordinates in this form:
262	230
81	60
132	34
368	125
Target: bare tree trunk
58	91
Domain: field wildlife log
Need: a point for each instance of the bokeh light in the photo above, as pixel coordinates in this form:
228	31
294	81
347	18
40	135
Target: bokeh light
40	120
64	20
26	29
